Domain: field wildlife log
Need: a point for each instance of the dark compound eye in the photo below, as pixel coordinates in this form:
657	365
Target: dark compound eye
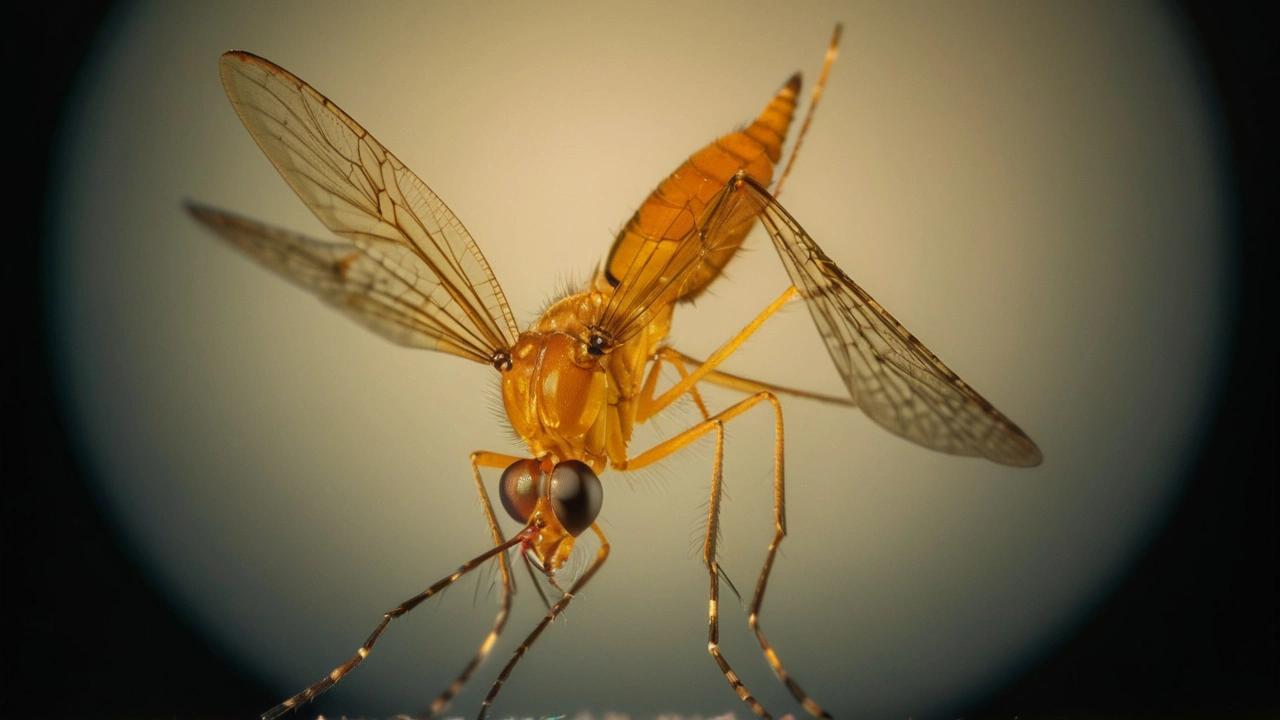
576	495
519	489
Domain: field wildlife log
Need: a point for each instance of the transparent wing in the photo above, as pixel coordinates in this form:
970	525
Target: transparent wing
410	243
377	291
890	374
662	267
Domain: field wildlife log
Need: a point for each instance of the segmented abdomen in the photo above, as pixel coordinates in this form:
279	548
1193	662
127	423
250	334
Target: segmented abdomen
670	211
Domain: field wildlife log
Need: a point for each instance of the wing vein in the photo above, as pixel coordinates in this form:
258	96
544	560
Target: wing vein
428	284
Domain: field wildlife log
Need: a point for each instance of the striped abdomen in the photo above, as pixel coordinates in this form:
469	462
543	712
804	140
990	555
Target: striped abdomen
669	213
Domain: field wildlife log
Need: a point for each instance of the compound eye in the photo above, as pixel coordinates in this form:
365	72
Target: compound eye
519	489
576	495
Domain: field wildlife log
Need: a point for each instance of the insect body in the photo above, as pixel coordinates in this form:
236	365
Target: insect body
576	385
578	380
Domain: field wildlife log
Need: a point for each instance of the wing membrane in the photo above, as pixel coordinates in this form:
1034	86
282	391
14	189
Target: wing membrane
378	291
890	374
413	249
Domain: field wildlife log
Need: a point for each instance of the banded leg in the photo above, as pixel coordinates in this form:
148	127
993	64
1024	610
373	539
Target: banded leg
500	546
780	531
363	652
481	459
670	446
757	600
552	614
713	572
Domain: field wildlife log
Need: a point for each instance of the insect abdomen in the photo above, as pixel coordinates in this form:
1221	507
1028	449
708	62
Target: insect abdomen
670	211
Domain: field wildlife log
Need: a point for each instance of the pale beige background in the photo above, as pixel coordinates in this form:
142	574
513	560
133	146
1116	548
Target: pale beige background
1031	188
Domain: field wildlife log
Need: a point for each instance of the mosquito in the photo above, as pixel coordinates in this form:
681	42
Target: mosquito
582	376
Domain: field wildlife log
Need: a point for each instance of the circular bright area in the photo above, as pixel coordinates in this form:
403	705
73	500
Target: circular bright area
1035	191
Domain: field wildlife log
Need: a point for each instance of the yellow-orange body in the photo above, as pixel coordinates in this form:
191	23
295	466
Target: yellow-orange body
576	382
570	400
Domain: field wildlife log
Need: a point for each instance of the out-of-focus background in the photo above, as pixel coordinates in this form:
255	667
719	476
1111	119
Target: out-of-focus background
216	485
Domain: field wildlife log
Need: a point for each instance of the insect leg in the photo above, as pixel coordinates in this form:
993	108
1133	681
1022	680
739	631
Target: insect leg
494	460
742	384
551	615
650	406
678	361
670	446
757	599
713	571
341	671
500	461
